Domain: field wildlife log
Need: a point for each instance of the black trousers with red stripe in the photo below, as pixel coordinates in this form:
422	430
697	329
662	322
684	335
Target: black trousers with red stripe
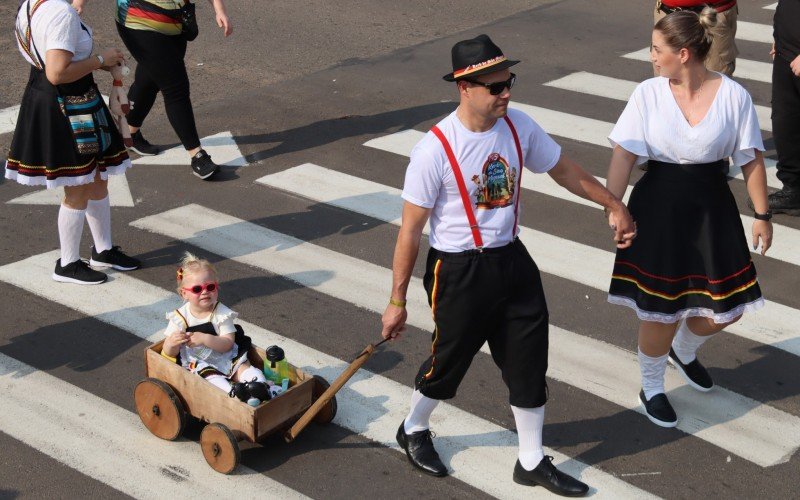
494	296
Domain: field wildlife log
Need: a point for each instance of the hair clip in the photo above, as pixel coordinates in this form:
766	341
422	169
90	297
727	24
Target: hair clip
180	274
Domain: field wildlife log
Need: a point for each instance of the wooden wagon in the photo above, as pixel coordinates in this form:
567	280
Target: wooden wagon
170	392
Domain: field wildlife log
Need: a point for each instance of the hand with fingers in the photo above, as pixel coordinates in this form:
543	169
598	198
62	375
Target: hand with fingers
622	224
394	320
762	233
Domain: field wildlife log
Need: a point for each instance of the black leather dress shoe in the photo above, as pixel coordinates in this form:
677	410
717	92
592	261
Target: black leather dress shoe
546	475
420	451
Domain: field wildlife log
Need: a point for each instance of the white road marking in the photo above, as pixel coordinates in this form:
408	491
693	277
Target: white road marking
221	147
118	190
371	405
621	90
752	430
749	70
753	32
771	6
8	119
774	325
110	444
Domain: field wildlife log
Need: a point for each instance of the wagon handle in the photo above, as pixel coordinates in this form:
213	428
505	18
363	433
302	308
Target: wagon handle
326	396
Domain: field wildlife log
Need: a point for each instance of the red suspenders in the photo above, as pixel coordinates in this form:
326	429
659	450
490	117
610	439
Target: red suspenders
462	188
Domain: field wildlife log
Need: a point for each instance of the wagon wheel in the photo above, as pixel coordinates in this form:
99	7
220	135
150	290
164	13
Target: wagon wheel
328	411
220	448
159	408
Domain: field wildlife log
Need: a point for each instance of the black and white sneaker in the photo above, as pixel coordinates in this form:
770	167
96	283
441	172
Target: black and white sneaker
141	146
693	373
658	410
203	166
113	257
78	272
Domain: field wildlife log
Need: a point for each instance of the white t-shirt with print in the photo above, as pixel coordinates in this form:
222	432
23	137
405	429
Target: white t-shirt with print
55	25
490	165
653	127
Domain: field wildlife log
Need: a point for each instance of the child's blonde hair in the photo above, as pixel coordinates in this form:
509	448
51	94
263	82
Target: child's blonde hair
190	264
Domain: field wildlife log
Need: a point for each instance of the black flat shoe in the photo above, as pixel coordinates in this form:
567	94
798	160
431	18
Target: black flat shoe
420	451
547	476
693	373
658	410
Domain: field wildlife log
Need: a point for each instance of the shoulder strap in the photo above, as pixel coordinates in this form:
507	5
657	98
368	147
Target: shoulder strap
521	168
26	39
178	312
462	188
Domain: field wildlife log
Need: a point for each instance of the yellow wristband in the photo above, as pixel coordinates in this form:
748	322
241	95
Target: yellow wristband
398	303
174	360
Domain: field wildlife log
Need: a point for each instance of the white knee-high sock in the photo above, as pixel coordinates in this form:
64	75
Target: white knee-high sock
221	382
98	215
70	229
529	432
252	373
419	416
686	343
652	373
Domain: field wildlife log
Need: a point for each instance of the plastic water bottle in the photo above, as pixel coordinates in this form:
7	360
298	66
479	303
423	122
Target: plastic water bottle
278	366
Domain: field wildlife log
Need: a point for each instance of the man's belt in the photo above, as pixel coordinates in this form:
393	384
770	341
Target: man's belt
719	7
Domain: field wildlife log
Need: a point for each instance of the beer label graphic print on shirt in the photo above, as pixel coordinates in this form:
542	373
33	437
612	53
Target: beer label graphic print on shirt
495	184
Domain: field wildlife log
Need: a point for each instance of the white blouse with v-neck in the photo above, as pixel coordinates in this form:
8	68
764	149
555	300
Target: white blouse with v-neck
653	127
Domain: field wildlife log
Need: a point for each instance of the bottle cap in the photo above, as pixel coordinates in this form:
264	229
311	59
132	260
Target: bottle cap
275	354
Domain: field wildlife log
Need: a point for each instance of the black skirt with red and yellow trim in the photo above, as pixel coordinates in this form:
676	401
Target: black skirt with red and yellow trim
43	151
690	257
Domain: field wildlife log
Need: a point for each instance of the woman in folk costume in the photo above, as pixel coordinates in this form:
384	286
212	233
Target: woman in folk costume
690	274
65	136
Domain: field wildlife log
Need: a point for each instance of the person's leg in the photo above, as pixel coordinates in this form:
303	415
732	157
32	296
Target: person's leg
530	422
419	414
654	345
722	55
221	382
71	216
143	91
786	133
98	214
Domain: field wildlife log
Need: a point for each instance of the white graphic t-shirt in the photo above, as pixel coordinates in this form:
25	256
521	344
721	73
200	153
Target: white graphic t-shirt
490	165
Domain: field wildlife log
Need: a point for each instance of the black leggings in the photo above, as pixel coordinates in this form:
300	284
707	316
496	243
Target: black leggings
160	67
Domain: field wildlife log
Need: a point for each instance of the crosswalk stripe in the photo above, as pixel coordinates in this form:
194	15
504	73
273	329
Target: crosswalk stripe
369	404
771	6
749	70
557	256
753	32
110	444
621	90
8	119
577	128
403	142
727	420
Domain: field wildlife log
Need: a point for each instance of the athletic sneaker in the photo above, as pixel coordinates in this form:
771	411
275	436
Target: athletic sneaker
693	373
142	146
113	257
658	410
203	166
78	272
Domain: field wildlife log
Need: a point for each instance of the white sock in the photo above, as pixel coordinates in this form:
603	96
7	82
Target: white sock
98	215
70	229
529	432
686	343
251	373
419	416
652	373
221	382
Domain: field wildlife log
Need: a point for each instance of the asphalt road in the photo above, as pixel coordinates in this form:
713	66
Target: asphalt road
307	83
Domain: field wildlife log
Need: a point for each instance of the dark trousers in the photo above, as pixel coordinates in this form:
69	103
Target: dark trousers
786	121
160	67
495	296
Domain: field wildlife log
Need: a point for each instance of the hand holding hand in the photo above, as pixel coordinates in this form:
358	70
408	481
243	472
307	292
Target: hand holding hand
112	57
762	231
623	225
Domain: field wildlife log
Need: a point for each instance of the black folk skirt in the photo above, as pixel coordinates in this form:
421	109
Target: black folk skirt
43	151
691	256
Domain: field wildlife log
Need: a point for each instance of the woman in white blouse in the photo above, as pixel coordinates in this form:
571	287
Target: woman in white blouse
689	274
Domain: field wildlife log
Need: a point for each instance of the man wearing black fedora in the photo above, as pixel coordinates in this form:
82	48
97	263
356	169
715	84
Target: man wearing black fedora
483	287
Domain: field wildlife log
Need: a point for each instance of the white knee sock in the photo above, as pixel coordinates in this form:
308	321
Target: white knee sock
419	416
686	343
221	382
252	373
529	432
70	229
652	373
98	215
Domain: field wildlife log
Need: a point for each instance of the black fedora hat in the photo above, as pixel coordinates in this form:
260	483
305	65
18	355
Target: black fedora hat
477	56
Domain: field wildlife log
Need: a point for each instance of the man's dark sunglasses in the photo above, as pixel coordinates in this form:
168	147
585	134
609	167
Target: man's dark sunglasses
496	88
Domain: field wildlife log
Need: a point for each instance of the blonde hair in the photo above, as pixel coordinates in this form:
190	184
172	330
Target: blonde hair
684	29
191	264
